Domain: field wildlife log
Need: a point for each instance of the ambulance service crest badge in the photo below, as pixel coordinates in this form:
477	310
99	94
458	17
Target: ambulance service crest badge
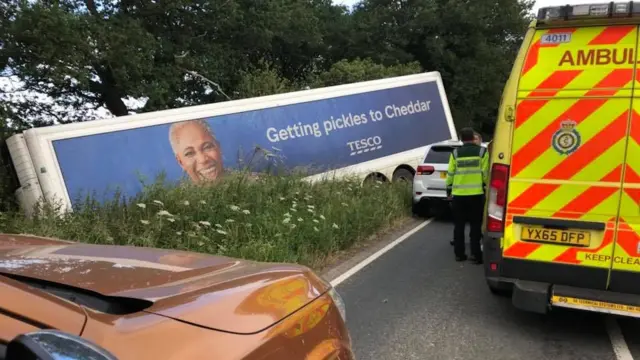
567	139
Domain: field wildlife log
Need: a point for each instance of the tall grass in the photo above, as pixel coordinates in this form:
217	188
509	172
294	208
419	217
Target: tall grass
271	218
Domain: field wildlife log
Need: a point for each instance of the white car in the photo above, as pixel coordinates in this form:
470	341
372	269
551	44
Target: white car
429	189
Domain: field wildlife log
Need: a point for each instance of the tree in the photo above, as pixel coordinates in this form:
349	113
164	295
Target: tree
127	56
345	72
472	43
90	54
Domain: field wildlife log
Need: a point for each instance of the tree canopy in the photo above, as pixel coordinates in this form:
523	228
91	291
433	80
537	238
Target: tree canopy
64	60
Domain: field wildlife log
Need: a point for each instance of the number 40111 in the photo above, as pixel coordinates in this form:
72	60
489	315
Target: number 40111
556	38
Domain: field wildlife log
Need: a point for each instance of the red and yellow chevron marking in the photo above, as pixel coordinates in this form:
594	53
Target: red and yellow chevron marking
589	199
588	81
548	88
595	51
533	143
534	52
626	254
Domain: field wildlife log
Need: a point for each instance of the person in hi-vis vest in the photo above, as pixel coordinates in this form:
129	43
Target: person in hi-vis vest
466	178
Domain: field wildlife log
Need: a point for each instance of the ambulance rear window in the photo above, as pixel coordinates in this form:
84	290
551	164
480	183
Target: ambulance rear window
438	155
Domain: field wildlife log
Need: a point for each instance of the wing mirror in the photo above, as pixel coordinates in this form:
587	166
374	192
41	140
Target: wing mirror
54	345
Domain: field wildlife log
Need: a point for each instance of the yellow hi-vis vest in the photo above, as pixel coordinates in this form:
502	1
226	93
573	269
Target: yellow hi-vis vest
468	170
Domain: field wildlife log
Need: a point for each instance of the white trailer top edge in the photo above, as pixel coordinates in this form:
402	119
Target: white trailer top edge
64	131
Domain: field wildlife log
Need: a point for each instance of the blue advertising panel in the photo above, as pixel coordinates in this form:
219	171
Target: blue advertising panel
317	135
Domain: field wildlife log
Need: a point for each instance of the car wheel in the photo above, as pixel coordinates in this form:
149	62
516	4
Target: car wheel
421	209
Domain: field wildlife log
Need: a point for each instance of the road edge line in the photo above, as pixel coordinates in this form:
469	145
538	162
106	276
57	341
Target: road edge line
620	348
359	266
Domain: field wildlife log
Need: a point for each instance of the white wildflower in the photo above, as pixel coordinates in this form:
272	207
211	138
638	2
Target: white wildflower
171	219
322	217
158	202
316	229
311	206
300	219
229	221
282	199
297	192
205	223
186	203
287	215
293	209
311	211
234	207
200	243
164	213
145	222
246	212
316	221
218	226
203	202
222	232
142	206
179	233
335	226
293	226
286	220
345	204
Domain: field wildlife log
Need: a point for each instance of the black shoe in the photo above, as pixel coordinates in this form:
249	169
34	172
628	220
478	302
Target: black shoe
476	260
461	258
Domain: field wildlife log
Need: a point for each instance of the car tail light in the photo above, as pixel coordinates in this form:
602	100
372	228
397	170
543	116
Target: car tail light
425	170
497	197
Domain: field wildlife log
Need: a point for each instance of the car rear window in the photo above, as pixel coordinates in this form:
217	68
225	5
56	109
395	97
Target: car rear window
438	155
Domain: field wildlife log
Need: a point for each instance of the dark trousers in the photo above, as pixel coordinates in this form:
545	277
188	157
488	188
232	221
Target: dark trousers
467	209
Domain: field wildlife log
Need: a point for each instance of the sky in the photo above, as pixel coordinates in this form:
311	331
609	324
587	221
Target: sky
538	4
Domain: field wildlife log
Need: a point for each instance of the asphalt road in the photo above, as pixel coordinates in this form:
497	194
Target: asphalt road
416	302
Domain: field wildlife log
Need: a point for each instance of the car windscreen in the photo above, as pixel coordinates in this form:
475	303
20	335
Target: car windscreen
438	155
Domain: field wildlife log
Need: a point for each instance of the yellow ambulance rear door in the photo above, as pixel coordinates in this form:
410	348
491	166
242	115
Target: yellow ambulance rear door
568	154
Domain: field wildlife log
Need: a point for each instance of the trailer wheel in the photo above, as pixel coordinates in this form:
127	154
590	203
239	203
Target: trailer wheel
403	175
375	178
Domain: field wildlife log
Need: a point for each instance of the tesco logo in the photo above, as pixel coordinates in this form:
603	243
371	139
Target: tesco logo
361	146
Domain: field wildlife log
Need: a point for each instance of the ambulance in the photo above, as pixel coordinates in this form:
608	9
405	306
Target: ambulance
562	221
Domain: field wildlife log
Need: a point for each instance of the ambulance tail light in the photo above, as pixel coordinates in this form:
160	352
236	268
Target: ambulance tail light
589	11
497	197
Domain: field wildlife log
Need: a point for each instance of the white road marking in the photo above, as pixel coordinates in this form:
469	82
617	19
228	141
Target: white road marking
347	274
620	347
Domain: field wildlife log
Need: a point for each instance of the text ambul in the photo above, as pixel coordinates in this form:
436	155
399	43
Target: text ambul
598	57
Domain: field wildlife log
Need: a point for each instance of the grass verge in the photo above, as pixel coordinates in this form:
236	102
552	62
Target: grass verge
272	218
